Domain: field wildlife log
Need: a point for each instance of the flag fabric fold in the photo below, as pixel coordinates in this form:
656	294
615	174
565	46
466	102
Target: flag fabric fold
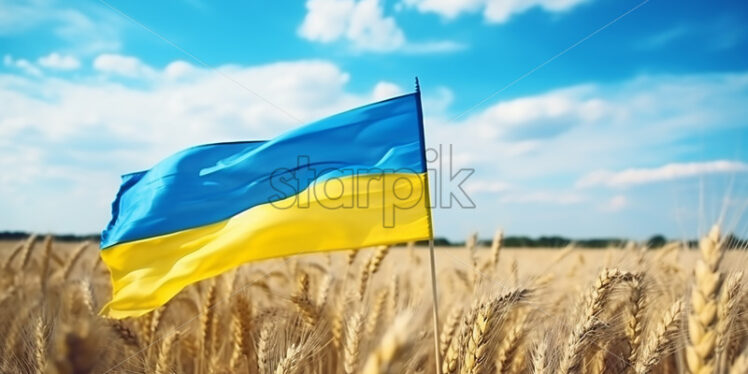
353	180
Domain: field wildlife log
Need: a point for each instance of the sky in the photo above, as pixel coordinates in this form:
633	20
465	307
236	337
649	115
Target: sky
582	118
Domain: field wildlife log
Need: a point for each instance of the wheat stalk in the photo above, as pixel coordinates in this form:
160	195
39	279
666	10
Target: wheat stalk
725	311
207	320
289	364
392	346
67	269
448	330
352	342
377	258
487	315
8	261
660	339
740	366
589	324
376	312
702	319
263	349
164	353
540	363
40	345
498	239
509	345
635	318
28	247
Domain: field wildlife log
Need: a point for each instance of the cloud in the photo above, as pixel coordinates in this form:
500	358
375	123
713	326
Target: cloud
494	11
487	186
360	22
60	62
384	90
85	29
615	204
664	37
444	46
363	24
22	64
80	133
127	66
542	197
634	176
541	116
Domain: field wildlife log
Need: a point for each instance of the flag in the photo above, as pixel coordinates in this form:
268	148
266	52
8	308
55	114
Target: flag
353	180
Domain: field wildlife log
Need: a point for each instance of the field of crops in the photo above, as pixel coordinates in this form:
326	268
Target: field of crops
503	310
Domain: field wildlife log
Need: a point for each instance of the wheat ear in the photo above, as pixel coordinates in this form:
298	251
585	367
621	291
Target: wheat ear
352	342
635	318
377	258
40	345
44	273
448	330
164	353
241	316
488	315
289	364
28	247
323	290
702	319
509	345
392	346
376	312
740	366
540	363
498	240
726	312
263	349
127	334
8	261
660	339
590	324
451	358
67	269
207	320
304	304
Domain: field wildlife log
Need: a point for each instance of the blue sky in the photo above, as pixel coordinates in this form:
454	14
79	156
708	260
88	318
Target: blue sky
639	129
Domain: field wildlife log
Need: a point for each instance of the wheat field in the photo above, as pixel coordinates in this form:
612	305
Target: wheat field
503	310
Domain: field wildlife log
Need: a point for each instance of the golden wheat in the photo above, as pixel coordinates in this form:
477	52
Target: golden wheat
661	311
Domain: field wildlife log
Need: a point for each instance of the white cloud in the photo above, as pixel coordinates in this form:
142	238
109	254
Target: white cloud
542	197
60	62
127	66
360	22
630	177
443	46
79	135
615	204
84	29
326	20
384	90
363	24
481	186
22	64
573	131
494	11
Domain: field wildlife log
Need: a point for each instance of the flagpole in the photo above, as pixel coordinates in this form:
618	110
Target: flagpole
435	307
434	299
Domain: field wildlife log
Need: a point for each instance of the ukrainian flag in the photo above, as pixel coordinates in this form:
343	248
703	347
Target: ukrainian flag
353	180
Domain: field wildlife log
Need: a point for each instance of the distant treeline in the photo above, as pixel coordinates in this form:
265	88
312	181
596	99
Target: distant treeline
18	235
655	241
